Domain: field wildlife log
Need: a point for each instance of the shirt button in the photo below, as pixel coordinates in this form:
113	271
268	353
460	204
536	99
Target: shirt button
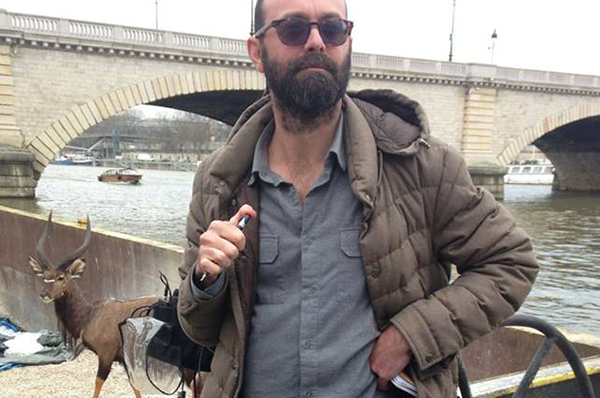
308	394
221	182
429	357
307	345
376	272
234	202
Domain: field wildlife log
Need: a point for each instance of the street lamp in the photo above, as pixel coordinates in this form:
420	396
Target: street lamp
493	47
156	12
251	17
452	32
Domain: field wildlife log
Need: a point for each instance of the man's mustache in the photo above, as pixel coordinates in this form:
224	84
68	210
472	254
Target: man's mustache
314	60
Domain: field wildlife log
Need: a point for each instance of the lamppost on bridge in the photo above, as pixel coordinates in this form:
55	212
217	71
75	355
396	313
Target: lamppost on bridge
156	12
251	17
493	46
452	31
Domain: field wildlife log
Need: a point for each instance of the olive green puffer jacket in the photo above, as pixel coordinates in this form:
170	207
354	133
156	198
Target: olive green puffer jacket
421	213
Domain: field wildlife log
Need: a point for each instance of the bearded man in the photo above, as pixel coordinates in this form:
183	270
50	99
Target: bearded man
341	280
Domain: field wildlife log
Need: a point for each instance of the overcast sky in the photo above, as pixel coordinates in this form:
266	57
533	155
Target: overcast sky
535	34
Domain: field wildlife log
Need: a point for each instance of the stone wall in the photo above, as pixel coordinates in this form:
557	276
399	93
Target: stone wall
16	173
9	130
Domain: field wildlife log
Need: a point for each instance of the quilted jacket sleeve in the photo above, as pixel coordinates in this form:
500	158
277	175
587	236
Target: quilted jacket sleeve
201	320
493	256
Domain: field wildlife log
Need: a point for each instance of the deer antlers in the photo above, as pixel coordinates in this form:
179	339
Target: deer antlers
41	254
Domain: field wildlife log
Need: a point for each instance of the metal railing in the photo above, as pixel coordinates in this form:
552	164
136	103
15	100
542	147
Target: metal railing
369	63
552	337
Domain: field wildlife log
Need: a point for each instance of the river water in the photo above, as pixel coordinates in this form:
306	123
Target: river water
565	229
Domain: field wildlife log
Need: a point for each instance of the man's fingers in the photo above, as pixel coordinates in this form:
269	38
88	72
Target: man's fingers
216	256
205	265
222	233
216	247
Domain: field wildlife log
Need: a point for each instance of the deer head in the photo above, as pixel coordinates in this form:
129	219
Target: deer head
57	278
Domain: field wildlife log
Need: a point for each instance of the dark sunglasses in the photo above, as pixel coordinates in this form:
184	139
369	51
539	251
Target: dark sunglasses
295	31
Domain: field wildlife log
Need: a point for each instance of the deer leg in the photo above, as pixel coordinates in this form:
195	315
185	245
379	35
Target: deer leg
98	387
137	393
101	375
198	385
194	381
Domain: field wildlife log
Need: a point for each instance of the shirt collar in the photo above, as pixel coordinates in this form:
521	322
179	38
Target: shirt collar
260	162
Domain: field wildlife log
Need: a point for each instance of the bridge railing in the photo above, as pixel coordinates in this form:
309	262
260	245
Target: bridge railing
24	25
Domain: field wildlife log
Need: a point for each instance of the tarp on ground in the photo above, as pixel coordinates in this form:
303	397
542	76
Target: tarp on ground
19	348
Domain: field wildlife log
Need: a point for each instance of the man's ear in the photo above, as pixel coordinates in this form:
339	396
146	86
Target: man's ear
254	52
76	268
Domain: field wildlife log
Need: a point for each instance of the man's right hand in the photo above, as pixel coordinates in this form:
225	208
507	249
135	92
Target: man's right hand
220	245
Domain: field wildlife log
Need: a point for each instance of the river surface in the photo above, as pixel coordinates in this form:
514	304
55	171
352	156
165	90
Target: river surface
565	229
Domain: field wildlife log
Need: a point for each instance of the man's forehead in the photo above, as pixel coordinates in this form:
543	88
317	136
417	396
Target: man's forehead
276	9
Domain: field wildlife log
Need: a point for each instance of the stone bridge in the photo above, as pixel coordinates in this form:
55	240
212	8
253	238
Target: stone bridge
59	77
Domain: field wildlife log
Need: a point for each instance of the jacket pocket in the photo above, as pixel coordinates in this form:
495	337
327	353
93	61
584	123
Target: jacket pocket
270	272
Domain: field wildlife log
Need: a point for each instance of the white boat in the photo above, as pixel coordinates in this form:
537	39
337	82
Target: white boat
538	174
74	160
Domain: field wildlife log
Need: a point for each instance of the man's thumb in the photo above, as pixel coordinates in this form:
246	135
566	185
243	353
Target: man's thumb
243	211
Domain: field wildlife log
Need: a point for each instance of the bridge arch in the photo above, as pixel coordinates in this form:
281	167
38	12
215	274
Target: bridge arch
545	126
46	145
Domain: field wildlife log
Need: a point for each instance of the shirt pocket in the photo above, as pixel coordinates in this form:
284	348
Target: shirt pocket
270	273
349	242
349	276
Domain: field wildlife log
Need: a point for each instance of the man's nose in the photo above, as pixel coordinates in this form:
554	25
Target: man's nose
315	41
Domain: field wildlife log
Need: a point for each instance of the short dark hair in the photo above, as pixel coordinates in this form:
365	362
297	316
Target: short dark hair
259	15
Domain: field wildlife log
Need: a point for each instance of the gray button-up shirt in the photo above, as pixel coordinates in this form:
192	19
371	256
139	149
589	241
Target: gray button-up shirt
313	328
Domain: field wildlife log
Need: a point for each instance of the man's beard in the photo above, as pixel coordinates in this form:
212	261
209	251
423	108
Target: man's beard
307	98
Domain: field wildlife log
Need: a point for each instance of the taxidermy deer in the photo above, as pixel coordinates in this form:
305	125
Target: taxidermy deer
97	324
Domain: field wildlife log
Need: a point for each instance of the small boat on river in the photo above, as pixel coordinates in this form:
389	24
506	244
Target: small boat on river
126	175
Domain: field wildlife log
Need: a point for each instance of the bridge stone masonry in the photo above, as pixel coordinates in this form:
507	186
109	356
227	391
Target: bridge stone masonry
59	77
